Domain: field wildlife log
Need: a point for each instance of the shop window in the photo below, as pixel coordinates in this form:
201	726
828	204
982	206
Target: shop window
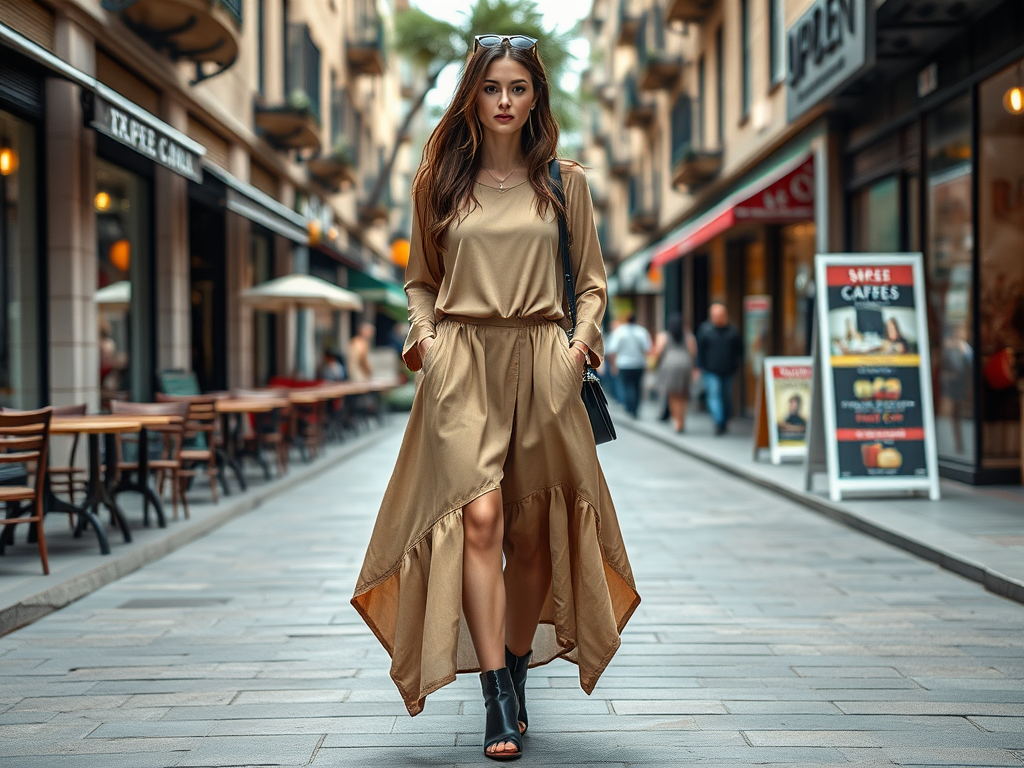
123	231
746	76
21	353
1001	265
264	329
876	217
720	87
949	251
796	249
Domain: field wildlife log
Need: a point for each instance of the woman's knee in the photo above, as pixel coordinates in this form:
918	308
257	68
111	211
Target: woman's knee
482	522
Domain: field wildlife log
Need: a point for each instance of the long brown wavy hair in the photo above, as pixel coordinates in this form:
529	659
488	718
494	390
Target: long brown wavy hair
443	186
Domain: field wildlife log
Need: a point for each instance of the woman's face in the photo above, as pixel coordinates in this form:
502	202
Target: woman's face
892	330
506	97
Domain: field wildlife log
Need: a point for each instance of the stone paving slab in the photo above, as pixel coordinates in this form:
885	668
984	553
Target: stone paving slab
767	636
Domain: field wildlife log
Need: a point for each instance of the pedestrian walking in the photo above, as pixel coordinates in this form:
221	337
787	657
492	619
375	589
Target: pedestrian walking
719	355
498	454
674	349
628	347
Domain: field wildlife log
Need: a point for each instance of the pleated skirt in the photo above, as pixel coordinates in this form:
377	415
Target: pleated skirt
498	407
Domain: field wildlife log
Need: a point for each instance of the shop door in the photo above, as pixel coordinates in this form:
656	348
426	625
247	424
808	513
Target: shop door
700	290
208	296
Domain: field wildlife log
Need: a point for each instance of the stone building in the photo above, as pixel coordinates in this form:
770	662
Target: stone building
159	157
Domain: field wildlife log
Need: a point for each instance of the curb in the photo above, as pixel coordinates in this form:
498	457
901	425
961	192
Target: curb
114	566
993	581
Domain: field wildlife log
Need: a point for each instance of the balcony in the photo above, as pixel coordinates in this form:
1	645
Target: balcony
295	124
657	69
365	48
643	204
620	164
629	23
205	32
335	168
691	167
639	111
687	11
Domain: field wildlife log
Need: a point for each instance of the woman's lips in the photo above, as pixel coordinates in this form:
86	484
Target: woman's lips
504	118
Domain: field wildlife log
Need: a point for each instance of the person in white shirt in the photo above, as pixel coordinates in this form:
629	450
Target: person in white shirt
627	349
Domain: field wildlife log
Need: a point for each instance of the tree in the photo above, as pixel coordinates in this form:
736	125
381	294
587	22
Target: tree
430	45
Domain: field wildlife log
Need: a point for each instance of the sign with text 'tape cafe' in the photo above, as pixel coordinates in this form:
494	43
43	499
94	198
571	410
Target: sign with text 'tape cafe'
876	382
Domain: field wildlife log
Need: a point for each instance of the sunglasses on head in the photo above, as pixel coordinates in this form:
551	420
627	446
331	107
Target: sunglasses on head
522	42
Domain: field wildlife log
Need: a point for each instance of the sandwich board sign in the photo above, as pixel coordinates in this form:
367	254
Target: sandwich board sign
873	357
787	393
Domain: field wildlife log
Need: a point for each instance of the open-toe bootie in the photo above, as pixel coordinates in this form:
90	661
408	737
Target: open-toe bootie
502	707
517	667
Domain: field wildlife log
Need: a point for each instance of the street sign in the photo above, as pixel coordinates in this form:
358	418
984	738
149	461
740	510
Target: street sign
875	374
787	390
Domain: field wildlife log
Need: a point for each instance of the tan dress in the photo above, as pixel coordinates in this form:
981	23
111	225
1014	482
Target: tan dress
498	407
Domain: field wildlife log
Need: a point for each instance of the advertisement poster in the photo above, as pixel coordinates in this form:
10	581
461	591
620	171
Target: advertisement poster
877	390
757	319
788	394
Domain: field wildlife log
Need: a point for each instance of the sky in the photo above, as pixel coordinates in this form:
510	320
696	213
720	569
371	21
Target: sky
560	14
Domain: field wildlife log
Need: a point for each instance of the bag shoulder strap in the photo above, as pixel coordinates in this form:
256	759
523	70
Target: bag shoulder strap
555	170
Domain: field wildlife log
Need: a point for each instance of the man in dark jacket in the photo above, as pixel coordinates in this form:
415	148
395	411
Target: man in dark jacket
719	356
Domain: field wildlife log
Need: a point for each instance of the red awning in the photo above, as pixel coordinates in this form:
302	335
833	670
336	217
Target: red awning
785	196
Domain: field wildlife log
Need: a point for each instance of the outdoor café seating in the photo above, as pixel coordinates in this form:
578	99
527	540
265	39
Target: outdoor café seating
25	440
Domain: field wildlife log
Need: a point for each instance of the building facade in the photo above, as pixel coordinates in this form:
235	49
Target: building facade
159	157
765	131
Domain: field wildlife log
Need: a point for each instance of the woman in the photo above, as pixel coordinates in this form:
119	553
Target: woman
894	342
498	455
674	350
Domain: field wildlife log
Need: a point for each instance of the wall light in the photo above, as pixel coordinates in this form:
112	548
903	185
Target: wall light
1013	99
102	201
8	159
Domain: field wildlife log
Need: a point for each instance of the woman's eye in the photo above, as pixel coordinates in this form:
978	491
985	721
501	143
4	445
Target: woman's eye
490	89
519	89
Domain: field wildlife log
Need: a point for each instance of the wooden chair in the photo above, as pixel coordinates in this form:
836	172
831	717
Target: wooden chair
172	437
69	478
25	439
271	431
201	442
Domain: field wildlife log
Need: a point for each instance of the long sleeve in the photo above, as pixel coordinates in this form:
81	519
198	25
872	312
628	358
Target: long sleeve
588	264
423	276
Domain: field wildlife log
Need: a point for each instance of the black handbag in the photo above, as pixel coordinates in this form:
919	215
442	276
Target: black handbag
592	394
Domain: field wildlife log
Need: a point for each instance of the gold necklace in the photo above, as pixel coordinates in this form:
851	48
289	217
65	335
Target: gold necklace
501	182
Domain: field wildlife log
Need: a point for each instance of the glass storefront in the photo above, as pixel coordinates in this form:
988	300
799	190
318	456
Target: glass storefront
21	353
264	329
1001	264
949	256
796	256
124	236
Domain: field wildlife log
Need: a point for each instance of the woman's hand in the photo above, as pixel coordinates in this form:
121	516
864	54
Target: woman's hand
422	347
579	355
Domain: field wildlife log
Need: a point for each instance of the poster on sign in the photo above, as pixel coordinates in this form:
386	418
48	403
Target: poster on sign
873	342
787	389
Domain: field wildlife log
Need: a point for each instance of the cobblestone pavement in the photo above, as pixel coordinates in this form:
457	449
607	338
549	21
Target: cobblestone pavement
767	635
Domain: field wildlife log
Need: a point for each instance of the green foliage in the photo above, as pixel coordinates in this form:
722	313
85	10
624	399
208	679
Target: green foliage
431	45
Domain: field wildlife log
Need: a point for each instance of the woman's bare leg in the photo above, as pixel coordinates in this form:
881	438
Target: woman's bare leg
677	407
483	592
527	581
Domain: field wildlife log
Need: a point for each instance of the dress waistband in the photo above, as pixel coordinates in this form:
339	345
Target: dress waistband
498	322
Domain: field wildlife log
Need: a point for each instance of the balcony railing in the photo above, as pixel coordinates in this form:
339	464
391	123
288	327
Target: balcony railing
366	47
234	8
303	73
657	68
643	203
294	123
639	110
629	21
691	166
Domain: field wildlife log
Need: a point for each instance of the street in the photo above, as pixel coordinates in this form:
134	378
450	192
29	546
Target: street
767	635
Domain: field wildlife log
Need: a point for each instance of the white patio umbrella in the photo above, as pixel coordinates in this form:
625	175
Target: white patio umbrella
115	297
301	292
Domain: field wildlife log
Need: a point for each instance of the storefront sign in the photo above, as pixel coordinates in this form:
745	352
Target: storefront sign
827	45
876	382
145	134
787	383
789	199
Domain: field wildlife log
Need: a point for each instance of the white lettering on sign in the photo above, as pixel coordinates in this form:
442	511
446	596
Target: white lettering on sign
869	275
145	140
870	292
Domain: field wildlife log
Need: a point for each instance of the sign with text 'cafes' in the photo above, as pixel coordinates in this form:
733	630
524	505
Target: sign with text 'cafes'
829	44
876	382
146	135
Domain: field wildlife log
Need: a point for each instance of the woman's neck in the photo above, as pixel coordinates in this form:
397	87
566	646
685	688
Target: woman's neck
501	153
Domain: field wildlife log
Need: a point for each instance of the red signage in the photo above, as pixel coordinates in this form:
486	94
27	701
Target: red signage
785	200
898	274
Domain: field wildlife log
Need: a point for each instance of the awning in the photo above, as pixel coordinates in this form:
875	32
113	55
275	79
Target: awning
115	297
299	291
783	196
248	202
377	290
633	274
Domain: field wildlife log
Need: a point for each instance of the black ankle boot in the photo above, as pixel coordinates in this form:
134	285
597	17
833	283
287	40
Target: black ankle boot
517	667
501	705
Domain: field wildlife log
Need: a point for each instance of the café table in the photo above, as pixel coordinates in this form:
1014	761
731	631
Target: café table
238	407
99	486
141	485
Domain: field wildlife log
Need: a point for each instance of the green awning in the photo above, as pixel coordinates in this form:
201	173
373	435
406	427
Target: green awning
374	289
